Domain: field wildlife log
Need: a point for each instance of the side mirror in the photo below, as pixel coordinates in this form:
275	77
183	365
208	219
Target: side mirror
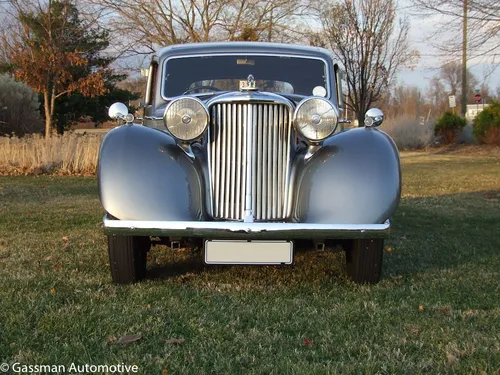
119	111
374	117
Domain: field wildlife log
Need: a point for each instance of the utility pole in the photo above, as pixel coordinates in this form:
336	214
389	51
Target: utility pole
464	62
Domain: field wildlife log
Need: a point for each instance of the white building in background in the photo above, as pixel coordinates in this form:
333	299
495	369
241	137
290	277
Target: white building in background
473	110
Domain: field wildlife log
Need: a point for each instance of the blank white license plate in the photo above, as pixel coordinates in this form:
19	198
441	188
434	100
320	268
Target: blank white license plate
244	252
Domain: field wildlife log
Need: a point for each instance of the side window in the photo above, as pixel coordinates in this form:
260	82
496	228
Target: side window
152	81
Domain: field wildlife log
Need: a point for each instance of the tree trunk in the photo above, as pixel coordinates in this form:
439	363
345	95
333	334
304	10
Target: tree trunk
361	115
48	116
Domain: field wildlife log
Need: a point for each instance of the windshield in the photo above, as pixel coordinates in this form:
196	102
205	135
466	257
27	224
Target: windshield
280	74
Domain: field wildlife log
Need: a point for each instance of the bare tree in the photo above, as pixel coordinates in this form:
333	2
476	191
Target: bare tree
450	74
402	100
438	95
482	21
144	25
371	45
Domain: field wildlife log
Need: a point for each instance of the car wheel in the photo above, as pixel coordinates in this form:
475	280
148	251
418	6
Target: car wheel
127	258
364	260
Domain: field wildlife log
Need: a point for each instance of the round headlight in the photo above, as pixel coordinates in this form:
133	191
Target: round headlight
186	118
316	119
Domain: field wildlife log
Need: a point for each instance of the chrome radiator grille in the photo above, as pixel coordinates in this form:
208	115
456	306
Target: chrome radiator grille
249	160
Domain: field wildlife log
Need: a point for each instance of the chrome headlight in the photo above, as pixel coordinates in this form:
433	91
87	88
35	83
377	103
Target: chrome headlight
186	118
316	119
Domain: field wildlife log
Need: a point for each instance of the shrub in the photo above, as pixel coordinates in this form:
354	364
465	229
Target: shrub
408	133
18	108
448	126
486	125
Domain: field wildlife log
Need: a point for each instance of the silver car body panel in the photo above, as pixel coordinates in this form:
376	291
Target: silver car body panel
355	177
144	175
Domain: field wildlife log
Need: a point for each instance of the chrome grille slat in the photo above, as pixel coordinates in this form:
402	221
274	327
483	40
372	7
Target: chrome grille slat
263	166
249	141
232	164
280	159
222	182
239	165
274	181
257	177
269	180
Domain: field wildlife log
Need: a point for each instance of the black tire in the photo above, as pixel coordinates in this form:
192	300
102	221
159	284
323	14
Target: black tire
127	258
364	260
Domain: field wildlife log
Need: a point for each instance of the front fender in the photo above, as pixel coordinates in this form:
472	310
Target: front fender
354	178
144	175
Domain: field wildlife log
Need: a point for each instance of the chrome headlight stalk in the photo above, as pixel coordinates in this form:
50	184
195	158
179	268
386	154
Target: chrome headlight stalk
186	118
316	119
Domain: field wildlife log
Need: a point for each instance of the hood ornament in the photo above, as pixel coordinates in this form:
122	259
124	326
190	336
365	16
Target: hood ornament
249	84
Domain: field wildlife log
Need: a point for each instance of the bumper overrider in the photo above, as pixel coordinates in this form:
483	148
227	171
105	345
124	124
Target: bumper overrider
243	230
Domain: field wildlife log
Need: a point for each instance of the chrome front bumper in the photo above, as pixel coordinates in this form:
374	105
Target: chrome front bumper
242	230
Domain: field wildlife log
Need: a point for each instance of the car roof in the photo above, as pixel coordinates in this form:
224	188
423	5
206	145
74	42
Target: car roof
242	47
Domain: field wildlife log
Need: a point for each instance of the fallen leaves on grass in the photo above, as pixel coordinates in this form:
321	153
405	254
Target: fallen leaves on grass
308	342
184	278
127	339
52	291
175	341
414	330
491	195
471	313
421	308
451	359
445	310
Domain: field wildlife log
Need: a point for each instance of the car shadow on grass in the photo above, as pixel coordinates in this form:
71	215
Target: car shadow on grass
187	265
443	232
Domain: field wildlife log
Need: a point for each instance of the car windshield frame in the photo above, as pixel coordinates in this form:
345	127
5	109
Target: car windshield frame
247	55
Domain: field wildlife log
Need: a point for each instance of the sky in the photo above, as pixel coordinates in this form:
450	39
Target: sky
422	29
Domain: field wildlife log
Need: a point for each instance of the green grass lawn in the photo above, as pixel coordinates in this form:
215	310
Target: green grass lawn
436	309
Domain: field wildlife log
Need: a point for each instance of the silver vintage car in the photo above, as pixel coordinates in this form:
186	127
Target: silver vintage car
242	150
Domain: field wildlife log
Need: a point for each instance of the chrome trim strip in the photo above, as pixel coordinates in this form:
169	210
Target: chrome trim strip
236	230
329	92
254	97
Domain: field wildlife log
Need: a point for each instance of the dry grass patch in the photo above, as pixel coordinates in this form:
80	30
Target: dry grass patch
66	155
